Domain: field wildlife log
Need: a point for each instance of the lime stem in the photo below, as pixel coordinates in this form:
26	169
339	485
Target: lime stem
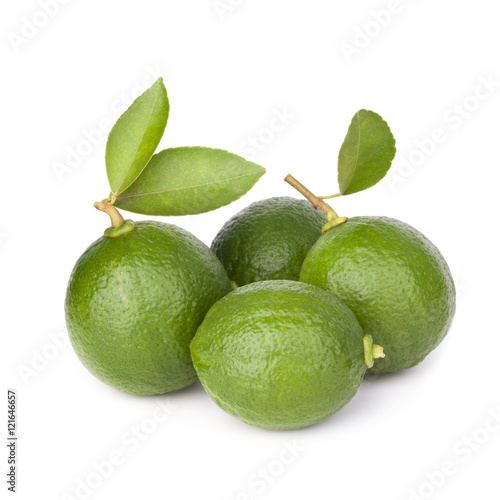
317	202
371	351
116	217
378	351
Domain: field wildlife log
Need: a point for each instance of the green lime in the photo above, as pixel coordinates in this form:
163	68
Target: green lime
395	281
281	354
268	240
134	303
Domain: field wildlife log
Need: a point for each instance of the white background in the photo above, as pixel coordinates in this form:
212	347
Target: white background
227	74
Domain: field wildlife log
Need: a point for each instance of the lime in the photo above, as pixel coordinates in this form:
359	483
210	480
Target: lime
395	281
268	240
280	354
134	302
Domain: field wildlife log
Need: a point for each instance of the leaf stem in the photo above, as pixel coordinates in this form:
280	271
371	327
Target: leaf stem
331	196
116	218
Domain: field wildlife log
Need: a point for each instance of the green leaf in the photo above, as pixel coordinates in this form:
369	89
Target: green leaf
366	154
135	137
189	180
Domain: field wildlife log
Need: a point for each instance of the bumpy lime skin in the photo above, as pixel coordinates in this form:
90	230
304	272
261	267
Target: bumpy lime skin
268	240
134	303
279	354
395	281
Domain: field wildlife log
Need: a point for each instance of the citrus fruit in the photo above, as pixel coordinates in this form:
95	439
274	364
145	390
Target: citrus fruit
268	240
395	281
134	301
281	354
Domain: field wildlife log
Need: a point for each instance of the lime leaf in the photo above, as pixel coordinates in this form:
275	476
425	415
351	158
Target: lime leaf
135	137
189	180
366	154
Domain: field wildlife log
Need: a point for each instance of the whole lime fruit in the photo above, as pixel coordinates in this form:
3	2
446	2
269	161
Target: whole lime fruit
134	301
395	281
281	354
268	240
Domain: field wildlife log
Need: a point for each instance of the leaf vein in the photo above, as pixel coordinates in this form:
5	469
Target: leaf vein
357	154
126	171
164	191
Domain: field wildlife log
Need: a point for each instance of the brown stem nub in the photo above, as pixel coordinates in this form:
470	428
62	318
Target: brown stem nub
116	218
317	202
